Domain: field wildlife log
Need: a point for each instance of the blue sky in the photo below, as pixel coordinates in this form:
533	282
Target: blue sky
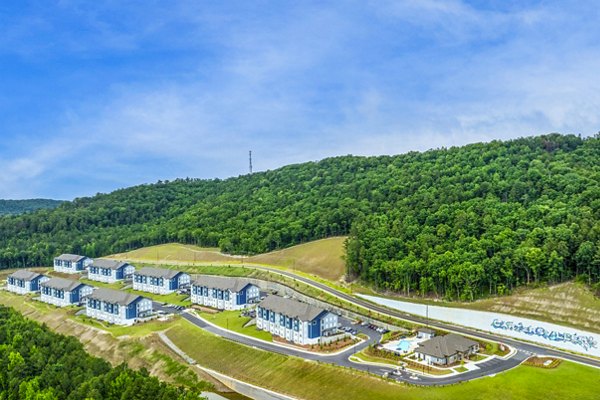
95	97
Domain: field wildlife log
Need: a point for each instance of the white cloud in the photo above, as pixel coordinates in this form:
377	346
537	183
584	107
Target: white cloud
322	82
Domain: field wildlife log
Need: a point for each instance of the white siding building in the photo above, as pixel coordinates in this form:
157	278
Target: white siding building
64	292
109	271
117	307
71	263
294	321
224	293
24	281
160	281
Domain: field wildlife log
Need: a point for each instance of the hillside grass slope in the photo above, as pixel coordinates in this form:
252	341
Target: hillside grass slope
322	258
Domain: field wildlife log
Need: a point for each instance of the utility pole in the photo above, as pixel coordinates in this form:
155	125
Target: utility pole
250	159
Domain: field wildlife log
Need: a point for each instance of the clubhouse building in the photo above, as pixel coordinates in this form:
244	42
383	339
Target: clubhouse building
117	307
224	293
24	281
446	350
293	320
71	263
159	281
109	271
64	292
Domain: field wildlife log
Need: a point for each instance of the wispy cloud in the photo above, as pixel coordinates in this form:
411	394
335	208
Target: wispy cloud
188	90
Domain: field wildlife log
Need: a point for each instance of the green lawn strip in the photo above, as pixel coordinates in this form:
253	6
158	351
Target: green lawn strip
115	286
492	348
372	359
310	380
17	301
233	321
136	330
172	298
460	369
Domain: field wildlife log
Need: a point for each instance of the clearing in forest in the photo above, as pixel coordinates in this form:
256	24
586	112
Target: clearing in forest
320	257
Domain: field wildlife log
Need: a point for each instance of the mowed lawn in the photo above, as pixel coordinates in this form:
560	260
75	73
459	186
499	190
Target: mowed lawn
322	258
311	380
233	321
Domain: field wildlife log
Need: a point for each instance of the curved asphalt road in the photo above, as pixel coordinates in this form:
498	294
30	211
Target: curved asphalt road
522	347
493	366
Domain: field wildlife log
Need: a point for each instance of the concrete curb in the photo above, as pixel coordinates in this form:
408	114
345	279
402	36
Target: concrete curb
283	346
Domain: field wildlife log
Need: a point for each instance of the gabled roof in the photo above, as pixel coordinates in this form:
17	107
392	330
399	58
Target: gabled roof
219	282
114	296
110	264
25	275
291	308
445	346
158	272
62	284
70	257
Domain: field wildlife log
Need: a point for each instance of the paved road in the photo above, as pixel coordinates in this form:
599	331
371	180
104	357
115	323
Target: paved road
525	348
491	367
342	359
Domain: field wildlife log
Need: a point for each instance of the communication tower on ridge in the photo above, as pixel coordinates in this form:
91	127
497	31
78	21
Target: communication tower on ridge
250	159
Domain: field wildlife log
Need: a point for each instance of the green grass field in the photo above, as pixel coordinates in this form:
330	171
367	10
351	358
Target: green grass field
380	360
322	258
233	321
310	380
136	330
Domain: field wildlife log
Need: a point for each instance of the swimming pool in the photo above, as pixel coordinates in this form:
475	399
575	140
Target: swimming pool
403	345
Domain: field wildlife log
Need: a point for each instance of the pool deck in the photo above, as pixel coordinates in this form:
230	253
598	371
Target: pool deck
393	345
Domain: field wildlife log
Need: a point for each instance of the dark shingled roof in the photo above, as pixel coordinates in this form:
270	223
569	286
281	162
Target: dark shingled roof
291	308
70	257
110	264
114	296
219	282
158	272
25	275
445	346
62	284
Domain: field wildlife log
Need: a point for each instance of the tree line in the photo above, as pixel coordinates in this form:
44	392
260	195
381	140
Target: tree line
458	222
14	207
37	364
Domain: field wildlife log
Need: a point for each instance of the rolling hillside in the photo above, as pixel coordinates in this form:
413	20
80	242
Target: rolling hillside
320	257
458	223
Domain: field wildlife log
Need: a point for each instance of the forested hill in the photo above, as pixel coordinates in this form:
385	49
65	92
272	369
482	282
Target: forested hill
459	222
14	207
38	364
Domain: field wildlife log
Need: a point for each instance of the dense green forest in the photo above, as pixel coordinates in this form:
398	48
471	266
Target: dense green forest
14	207
37	364
458	222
